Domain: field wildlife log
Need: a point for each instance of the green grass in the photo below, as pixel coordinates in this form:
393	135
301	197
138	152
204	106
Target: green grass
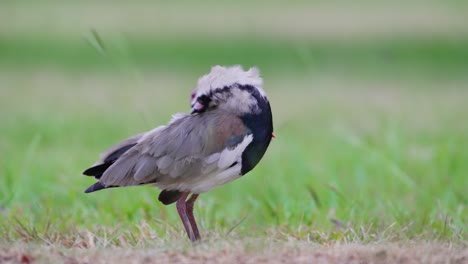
351	164
403	57
370	156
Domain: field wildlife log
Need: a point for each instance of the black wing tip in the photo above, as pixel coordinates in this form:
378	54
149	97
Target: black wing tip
95	187
97	170
88	172
92	170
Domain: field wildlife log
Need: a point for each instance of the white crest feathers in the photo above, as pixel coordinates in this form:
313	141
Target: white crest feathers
220	77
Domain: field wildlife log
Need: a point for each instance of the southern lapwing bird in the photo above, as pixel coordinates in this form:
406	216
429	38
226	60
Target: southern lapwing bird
224	137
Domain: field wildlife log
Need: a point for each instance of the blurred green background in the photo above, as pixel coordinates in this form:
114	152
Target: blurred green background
369	103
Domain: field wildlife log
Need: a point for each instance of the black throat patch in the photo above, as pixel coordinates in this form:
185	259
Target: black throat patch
261	125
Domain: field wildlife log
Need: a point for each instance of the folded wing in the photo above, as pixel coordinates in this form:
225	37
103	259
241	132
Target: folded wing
189	148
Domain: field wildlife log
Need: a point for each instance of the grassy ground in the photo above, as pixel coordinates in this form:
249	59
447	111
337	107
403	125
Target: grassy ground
369	163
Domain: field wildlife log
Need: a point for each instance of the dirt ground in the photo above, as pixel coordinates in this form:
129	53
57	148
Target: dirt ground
244	252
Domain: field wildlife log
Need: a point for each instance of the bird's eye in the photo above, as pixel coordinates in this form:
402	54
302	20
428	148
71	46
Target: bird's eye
192	96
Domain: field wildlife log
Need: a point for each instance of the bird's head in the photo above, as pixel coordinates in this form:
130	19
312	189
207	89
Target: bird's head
228	88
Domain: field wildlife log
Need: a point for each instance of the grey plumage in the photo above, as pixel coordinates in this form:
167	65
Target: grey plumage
158	158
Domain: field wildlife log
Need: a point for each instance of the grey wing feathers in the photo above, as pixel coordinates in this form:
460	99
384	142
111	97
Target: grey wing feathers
110	156
188	146
170	151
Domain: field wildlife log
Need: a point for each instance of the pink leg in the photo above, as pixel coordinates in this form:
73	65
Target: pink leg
189	204
182	210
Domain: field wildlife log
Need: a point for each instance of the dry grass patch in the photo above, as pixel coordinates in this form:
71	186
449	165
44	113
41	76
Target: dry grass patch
244	251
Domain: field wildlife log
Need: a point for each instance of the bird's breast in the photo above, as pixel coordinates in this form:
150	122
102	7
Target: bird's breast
261	125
